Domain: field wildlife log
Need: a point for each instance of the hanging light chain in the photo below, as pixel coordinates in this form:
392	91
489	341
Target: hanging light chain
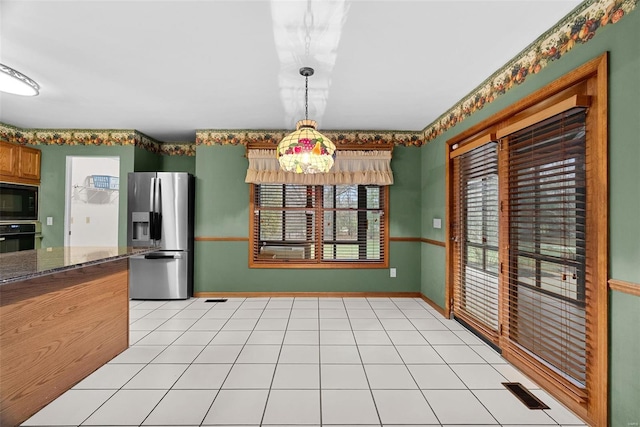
306	97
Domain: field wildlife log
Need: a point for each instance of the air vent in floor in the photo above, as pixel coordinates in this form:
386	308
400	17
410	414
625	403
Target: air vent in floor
525	396
216	300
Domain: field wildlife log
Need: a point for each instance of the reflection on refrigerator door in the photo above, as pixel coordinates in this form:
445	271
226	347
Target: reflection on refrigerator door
159	275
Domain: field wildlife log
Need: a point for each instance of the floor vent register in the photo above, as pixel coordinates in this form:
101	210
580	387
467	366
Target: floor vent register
525	396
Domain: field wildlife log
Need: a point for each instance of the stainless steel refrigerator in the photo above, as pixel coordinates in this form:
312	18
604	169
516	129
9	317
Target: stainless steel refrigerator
160	215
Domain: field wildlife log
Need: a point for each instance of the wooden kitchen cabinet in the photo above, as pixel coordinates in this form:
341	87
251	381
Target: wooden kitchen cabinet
19	163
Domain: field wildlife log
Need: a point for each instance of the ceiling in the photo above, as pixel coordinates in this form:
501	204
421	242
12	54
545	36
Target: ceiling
167	68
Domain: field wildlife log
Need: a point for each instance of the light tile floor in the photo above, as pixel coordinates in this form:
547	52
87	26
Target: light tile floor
299	361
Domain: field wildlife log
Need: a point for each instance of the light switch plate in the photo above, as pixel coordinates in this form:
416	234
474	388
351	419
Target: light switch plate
437	223
392	272
49	220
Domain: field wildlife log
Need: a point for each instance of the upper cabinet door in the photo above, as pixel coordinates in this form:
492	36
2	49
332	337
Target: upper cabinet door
19	163
8	160
29	163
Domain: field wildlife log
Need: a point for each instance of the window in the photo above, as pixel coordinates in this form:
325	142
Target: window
317	226
547	209
476	246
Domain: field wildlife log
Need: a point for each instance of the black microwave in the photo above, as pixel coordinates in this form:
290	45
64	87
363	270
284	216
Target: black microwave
18	202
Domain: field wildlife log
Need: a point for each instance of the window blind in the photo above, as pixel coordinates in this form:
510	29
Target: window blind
547	217
305	224
476	238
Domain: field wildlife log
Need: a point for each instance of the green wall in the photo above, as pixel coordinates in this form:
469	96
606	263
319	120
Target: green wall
625	354
52	187
145	161
621	41
222	210
433	207
178	164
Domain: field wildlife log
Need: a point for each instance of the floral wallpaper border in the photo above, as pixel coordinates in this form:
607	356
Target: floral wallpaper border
338	137
97	137
578	27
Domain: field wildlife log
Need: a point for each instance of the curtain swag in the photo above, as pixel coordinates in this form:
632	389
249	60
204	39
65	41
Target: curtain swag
350	167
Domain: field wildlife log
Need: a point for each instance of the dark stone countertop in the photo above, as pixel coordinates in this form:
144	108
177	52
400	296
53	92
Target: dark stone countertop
23	265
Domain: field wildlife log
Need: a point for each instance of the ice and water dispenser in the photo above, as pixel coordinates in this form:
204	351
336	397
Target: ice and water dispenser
141	223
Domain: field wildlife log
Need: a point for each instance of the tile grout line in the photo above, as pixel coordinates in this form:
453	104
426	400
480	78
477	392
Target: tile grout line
236	359
373	399
190	364
275	368
122	387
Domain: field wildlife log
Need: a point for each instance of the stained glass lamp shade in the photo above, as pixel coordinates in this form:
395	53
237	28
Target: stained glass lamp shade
306	150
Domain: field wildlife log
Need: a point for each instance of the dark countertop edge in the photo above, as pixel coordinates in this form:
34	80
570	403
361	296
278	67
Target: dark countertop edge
138	251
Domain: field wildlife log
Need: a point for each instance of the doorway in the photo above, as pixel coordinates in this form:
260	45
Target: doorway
92	197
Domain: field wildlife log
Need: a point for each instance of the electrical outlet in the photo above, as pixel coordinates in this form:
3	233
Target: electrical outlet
49	220
392	272
437	223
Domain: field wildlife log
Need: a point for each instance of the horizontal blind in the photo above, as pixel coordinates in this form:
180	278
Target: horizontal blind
547	281
353	227
476	231
314	224
284	223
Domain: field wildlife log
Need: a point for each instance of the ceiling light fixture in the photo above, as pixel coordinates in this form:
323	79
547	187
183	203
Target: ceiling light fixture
12	81
306	150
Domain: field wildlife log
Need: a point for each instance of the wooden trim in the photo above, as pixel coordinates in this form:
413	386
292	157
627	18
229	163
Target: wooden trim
56	330
557	108
221	239
405	239
598	245
312	264
578	74
309	294
433	305
478	142
626	287
434	242
448	221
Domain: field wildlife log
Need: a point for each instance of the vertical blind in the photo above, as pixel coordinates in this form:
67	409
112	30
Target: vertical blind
309	224
547	217
476	237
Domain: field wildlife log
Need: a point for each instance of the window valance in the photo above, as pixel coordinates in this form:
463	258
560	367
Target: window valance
360	167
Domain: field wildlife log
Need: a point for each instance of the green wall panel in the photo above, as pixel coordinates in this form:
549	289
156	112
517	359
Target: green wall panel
404	194
146	161
433	189
624	355
52	187
223	267
222	197
433	273
178	164
222	210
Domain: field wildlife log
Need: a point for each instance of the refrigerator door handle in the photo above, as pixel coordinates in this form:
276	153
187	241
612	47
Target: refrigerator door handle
161	256
152	195
157	214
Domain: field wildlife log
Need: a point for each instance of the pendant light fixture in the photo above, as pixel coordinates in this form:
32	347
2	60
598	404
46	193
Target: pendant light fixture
12	81
306	150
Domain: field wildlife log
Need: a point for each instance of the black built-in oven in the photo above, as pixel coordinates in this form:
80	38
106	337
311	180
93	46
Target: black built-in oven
17	237
18	202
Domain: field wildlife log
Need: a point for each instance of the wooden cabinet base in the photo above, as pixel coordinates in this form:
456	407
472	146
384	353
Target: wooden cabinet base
57	329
